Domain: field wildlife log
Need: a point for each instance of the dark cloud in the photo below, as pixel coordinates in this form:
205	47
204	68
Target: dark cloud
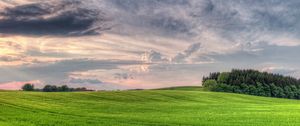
170	24
233	21
163	17
134	6
60	18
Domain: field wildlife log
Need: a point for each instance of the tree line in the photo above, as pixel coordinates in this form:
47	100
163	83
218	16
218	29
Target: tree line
53	88
253	82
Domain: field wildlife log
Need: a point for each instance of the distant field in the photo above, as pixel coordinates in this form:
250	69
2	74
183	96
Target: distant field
176	107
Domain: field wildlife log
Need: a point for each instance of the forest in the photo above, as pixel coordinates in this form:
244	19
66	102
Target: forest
253	82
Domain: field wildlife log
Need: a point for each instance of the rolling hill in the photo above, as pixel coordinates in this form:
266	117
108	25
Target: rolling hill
167	107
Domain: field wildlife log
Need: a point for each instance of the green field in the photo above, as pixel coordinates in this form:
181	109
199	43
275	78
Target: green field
168	107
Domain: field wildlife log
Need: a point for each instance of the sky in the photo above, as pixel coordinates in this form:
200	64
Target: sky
143	44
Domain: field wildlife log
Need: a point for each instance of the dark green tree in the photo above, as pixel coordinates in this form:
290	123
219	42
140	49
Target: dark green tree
252	90
63	88
281	93
223	77
260	89
288	92
28	87
50	88
245	88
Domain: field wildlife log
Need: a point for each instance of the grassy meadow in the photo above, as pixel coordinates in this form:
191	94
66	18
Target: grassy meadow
167	107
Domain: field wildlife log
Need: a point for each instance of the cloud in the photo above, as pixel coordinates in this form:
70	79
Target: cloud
230	21
56	72
280	70
181	57
253	54
192	49
84	81
11	45
52	18
153	57
12	52
11	58
123	76
151	17
277	68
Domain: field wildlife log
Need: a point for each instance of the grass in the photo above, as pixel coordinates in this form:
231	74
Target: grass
184	88
173	107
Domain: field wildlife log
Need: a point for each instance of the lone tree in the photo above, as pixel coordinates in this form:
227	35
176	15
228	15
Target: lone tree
28	87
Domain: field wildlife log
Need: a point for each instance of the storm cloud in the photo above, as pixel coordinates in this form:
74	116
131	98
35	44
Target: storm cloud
52	18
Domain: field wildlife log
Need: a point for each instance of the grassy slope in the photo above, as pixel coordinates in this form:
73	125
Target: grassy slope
150	107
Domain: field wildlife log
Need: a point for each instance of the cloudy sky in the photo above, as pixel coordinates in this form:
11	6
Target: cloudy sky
125	44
